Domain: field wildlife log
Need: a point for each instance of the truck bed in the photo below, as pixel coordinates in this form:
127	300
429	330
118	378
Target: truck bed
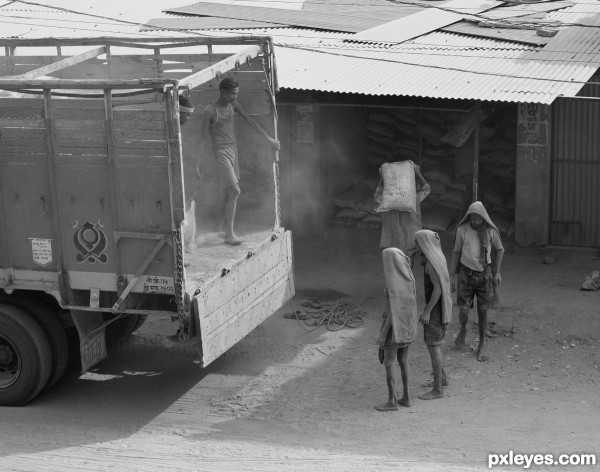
209	256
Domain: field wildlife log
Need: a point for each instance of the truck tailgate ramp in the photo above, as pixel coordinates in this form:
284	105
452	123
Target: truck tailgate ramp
230	307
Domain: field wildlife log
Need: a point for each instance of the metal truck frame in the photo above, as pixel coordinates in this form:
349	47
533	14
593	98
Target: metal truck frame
93	202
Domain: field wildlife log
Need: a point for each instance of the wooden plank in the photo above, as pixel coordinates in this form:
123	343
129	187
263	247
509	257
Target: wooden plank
68	62
261	297
139	135
158	126
73	162
221	67
26	147
22	103
81	151
137	115
28	133
79	114
94	142
142	162
86	127
24	160
12	112
140	152
21	123
84	103
82	134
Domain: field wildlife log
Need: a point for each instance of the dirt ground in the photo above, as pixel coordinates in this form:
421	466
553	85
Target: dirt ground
294	399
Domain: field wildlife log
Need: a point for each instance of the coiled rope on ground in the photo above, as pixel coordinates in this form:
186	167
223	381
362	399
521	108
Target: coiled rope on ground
334	316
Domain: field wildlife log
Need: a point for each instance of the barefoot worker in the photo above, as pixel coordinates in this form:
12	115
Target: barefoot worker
475	237
219	124
438	309
400	324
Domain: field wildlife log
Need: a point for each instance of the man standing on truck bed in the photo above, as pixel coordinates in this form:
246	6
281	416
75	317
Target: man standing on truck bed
219	124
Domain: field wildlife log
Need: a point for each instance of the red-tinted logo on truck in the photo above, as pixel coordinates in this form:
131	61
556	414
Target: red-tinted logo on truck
90	241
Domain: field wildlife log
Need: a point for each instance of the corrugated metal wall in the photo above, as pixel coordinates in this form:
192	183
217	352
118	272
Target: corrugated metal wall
575	214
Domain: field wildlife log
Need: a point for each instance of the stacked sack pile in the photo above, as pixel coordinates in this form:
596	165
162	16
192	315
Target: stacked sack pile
446	159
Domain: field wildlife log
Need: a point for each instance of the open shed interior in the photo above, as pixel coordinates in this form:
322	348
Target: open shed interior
356	141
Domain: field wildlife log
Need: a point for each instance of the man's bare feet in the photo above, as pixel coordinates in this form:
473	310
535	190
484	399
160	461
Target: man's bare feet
481	357
431	395
387	406
233	240
430	383
404	401
460	338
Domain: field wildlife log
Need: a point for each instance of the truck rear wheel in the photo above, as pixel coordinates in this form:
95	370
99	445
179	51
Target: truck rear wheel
55	333
119	330
25	357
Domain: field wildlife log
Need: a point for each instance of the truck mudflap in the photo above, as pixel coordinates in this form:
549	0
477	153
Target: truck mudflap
249	292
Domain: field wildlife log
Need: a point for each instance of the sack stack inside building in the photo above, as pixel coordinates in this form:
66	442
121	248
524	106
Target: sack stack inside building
442	143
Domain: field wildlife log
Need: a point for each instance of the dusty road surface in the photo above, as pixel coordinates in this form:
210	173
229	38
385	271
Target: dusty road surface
292	398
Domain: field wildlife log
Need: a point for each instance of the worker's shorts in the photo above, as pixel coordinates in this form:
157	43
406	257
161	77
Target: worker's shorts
434	332
472	283
227	165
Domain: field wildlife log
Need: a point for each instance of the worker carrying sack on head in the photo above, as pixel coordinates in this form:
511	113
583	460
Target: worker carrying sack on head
399	194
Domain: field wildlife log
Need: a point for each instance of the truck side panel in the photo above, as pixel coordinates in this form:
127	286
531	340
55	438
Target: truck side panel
111	178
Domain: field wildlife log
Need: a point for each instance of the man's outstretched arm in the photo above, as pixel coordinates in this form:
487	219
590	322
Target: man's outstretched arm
255	126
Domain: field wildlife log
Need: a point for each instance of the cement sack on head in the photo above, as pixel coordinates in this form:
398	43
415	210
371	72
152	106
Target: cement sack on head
399	187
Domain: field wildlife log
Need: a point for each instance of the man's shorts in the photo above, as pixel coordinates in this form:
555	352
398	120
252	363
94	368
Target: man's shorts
227	165
434	332
472	283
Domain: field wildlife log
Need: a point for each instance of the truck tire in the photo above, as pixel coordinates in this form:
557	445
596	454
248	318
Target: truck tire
55	333
119	330
25	357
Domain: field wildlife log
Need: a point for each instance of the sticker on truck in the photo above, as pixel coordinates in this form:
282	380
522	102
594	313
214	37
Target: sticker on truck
90	241
41	250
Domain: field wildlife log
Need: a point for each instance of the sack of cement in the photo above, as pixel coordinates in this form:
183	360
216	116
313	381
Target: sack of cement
399	187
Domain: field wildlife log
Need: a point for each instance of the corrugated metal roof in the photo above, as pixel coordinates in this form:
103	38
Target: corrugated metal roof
344	19
445	65
439	65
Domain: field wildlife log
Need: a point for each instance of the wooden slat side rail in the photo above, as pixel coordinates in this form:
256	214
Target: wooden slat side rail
221	67
56	66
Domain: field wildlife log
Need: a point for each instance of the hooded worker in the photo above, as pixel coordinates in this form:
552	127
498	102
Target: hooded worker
438	309
399	325
477	275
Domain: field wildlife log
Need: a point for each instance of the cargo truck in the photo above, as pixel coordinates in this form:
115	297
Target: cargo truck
97	176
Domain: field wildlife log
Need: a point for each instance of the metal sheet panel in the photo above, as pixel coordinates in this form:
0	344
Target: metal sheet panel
527	36
338	20
425	21
575	215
